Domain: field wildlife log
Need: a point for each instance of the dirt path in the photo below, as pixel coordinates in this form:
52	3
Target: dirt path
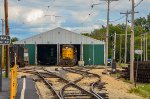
117	89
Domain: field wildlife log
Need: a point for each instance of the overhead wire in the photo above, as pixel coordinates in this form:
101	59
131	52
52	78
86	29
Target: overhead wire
138	3
91	10
125	15
89	14
118	19
48	7
25	26
115	4
130	11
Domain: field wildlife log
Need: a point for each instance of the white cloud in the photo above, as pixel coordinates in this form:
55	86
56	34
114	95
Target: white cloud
80	16
73	13
34	15
83	29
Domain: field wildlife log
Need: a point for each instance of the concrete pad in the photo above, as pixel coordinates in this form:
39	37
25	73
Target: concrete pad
30	90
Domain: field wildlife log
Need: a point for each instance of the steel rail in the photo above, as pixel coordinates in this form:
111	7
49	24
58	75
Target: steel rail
74	85
49	85
79	71
67	85
92	89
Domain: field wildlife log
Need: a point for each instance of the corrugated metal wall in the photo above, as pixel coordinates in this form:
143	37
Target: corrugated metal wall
88	53
98	54
59	36
31	49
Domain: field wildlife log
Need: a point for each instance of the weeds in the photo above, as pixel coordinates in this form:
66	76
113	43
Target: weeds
143	90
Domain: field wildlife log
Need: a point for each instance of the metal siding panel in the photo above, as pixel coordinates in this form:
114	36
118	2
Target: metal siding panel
99	54
44	37
66	38
88	53
54	38
85	54
60	38
57	38
31	48
91	53
74	39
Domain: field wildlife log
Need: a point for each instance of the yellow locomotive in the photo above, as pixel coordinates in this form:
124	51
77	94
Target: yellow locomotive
68	55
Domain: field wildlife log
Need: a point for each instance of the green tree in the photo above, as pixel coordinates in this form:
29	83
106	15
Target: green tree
14	39
142	25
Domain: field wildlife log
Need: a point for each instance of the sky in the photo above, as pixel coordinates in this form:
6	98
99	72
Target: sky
31	17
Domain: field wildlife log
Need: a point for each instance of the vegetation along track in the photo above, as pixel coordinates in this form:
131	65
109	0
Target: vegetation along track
93	85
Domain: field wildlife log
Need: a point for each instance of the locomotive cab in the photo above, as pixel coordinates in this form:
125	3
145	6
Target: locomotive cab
68	55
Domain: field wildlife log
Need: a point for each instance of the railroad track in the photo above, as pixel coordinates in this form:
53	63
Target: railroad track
97	84
70	89
29	70
63	93
50	86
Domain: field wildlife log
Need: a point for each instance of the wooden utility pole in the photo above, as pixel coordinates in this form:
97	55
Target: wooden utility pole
144	42
141	47
146	48
126	32
107	31
7	33
2	60
120	49
114	50
132	45
107	34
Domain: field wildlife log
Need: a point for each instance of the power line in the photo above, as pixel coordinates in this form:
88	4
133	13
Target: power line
118	19
107	31
132	44
7	33
138	3
126	32
91	10
115	5
90	13
125	15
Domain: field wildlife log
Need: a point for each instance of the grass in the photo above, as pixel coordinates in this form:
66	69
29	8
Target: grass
4	75
126	81
122	65
115	75
142	90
